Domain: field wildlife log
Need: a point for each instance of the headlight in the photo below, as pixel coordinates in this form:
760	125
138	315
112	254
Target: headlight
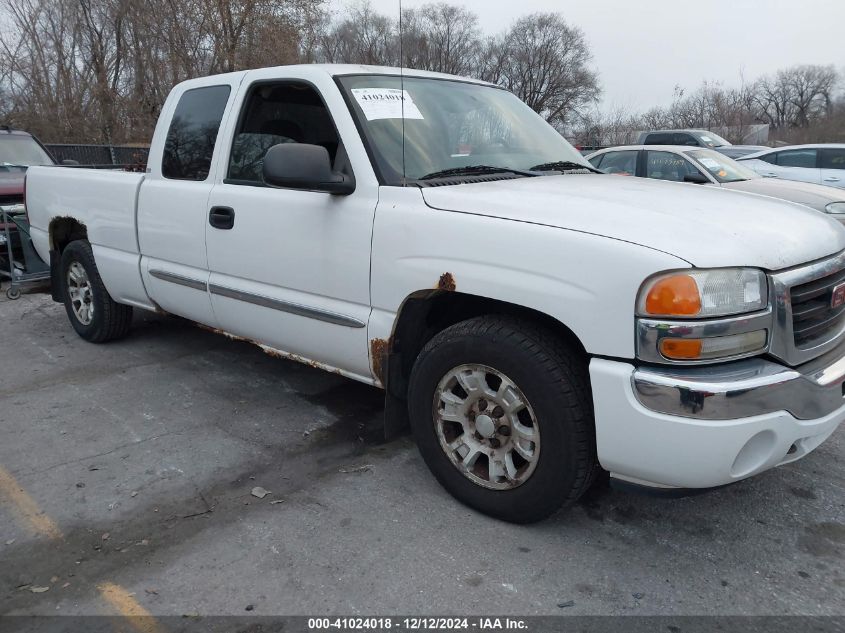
835	207
699	316
704	293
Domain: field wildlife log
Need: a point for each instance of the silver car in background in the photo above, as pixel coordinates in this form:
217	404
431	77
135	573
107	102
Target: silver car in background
822	164
709	167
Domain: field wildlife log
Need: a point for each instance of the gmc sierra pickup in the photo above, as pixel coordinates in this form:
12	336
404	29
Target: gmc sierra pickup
430	235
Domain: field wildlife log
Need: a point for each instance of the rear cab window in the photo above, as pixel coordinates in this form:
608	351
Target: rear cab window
192	135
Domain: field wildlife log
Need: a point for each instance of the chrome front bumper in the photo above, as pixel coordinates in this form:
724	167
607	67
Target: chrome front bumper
745	388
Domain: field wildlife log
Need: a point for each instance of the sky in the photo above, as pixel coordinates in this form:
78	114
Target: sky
642	49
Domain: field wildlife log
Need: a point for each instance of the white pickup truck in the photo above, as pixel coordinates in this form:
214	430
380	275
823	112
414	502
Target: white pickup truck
536	321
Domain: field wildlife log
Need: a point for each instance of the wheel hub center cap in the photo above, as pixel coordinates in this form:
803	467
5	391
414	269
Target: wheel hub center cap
485	426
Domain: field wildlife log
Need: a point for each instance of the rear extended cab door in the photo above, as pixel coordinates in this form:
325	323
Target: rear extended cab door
173	200
291	271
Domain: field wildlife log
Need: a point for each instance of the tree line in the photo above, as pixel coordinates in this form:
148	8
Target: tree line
98	71
800	104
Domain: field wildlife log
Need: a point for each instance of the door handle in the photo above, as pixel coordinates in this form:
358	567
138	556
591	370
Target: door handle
831	179
222	217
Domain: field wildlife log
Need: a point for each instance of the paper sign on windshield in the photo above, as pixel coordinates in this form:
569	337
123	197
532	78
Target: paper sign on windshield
386	103
709	163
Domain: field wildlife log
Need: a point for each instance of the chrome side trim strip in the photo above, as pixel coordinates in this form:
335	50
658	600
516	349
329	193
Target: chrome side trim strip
286	306
196	284
744	389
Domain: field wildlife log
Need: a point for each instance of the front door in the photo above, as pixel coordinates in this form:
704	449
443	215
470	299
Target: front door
292	268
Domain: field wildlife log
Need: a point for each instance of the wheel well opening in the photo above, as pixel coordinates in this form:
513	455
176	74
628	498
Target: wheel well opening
65	230
422	317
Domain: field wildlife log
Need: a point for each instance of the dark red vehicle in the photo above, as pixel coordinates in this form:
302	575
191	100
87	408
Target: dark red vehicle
18	151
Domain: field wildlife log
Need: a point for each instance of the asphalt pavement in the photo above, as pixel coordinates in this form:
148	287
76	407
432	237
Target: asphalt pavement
128	472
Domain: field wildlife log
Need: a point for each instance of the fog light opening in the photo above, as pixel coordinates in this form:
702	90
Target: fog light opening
756	453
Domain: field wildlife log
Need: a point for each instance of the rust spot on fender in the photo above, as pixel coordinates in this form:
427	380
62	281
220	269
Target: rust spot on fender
447	282
379	349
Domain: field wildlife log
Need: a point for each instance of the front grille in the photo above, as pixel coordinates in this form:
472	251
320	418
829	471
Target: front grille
813	318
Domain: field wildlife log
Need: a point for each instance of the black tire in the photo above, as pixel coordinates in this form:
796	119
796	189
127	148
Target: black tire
110	320
552	375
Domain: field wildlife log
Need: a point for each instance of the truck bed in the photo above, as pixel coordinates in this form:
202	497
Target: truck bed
105	203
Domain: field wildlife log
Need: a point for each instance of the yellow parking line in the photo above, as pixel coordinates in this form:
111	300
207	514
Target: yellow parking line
26	506
138	617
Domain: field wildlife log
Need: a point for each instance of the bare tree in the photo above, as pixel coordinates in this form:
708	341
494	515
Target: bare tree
362	37
545	63
440	37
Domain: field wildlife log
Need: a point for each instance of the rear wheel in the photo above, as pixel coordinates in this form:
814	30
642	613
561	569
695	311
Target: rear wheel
502	415
94	315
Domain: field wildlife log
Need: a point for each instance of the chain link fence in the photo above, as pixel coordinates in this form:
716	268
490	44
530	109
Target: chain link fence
100	155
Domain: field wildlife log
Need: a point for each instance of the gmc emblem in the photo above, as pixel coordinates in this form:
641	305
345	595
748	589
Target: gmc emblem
838	297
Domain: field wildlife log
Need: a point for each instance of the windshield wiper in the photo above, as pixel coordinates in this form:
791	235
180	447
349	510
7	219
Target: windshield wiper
14	165
476	170
564	165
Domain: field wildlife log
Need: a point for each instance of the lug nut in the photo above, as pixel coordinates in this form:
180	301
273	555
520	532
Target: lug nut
482	404
495	443
498	412
504	430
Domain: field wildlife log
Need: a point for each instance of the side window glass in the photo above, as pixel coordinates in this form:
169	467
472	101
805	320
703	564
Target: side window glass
595	161
658	139
620	163
833	159
684	139
797	158
668	166
770	158
193	132
273	114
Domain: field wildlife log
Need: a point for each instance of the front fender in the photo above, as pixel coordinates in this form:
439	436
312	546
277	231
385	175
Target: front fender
587	282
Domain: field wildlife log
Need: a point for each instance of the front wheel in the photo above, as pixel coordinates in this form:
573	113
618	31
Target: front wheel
94	315
502	415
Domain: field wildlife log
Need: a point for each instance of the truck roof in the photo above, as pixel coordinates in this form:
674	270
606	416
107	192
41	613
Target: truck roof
336	70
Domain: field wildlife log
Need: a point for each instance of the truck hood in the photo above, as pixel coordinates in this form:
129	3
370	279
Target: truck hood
807	193
706	226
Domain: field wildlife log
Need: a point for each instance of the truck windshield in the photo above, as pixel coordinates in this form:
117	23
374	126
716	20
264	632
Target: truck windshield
452	128
722	168
19	152
713	140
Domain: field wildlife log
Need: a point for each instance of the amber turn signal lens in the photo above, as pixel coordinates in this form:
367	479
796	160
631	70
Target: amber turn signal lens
681	349
674	296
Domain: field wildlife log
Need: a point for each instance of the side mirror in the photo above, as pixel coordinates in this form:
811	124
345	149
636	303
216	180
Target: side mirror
69	162
303	166
698	179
